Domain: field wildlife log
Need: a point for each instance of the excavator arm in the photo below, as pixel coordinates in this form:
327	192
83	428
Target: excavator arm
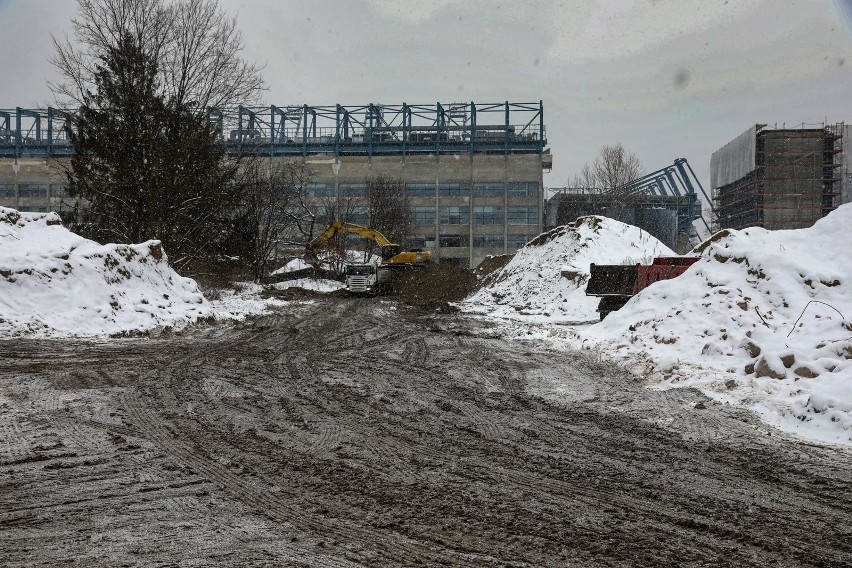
348	229
339	228
391	255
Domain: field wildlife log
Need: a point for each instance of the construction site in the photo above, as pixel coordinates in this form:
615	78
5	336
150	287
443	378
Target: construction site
666	203
779	177
472	172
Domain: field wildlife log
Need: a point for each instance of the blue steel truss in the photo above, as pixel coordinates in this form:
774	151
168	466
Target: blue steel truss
677	180
338	130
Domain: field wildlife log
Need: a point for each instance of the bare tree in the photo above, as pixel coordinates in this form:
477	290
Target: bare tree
202	66
387	208
615	167
269	190
585	179
611	170
196	45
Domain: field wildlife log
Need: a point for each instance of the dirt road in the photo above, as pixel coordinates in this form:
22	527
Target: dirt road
350	432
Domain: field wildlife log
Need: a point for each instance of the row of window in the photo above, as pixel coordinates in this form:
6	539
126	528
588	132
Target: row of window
37	190
463	189
482	215
479	241
445	189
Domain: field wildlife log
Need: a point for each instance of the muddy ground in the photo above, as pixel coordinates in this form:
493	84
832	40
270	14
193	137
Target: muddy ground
359	432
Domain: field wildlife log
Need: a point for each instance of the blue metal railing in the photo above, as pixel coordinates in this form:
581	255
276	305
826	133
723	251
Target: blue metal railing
302	130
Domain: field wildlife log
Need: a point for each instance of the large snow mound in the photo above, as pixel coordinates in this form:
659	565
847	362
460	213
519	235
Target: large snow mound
768	312
56	283
547	278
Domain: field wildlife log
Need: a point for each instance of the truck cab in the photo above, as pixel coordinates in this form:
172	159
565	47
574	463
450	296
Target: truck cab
367	279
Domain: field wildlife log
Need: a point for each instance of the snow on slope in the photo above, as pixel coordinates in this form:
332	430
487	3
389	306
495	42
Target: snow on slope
766	316
313	284
532	286
293	266
56	283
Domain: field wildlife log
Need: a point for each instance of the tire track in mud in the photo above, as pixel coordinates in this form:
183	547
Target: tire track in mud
511	384
396	444
267	503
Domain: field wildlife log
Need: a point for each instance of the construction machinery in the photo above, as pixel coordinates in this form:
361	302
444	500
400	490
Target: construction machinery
615	284
369	278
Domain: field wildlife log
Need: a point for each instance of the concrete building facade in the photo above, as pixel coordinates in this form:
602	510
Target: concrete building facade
474	184
463	208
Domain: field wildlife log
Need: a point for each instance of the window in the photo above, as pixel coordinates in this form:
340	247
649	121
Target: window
453	189
487	215
422	215
518	241
58	190
7	190
353	189
320	189
32	190
454	261
521	188
527	215
359	216
488	189
420	189
455	215
491	241
421	241
60	208
453	240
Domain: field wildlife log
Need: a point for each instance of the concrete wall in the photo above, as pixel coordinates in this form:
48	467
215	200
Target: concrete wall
503	234
657	214
31	185
450	169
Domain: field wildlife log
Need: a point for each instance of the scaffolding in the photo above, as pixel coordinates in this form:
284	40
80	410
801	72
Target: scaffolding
794	176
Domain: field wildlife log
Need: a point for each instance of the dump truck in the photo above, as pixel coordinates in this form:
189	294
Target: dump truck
615	284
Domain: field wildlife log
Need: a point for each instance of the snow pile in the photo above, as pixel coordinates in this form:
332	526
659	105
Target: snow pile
293	266
546	280
766	312
322	285
53	282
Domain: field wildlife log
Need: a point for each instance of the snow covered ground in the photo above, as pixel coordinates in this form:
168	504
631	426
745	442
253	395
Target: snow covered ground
546	280
760	321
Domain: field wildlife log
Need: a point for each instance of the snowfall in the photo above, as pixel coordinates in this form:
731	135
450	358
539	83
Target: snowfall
759	321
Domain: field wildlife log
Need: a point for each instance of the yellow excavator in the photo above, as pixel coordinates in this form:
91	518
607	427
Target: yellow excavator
392	255
369	278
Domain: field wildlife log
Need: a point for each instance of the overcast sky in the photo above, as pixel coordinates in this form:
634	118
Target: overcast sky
667	79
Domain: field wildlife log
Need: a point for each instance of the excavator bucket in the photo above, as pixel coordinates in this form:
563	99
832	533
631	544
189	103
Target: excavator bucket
311	258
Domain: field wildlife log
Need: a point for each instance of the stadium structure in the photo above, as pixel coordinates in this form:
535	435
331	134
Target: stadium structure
472	172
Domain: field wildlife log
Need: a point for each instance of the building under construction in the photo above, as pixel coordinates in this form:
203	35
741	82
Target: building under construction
660	215
664	203
779	178
472	172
